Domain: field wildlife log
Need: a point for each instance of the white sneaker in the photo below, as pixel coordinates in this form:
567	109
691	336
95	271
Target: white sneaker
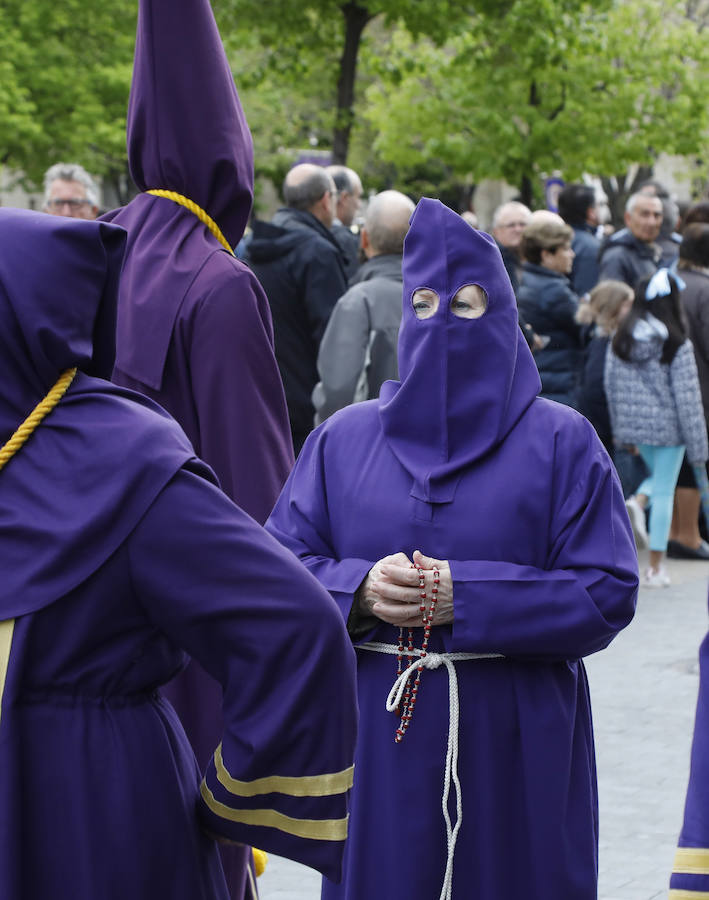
656	578
637	521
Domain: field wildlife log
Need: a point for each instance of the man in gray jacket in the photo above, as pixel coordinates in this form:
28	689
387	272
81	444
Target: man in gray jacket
358	350
632	253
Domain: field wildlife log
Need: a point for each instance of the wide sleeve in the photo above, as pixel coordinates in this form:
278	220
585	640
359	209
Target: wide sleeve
237	389
261	625
690	872
301	522
342	354
684	382
585	592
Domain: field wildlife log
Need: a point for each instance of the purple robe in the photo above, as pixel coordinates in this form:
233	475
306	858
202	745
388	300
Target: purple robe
461	460
119	553
690	873
194	327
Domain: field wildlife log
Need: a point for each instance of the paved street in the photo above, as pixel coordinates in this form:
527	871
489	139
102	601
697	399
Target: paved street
643	691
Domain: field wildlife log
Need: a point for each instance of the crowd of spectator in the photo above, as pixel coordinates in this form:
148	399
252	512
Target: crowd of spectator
330	265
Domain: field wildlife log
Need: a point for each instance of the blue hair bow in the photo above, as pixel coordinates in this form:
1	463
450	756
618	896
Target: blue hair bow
659	284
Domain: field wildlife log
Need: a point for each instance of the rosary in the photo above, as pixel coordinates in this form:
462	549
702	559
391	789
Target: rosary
411	692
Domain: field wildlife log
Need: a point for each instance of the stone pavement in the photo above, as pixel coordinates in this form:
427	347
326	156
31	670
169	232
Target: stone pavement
643	690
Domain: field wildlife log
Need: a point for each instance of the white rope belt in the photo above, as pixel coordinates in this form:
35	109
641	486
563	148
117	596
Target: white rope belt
434	661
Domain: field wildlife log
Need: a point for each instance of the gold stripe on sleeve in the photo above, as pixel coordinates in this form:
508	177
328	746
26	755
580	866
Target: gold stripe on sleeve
691	861
688	895
313	829
6	629
302	786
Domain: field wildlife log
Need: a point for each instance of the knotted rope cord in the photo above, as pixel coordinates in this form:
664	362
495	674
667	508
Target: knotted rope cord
45	406
434	661
204	217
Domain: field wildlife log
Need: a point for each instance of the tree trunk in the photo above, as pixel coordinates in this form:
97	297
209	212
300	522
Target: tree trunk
526	188
526	192
620	187
356	18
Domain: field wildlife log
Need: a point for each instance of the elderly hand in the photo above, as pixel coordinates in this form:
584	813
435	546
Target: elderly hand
392	589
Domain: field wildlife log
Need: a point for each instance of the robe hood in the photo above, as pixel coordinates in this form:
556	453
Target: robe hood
87	474
187	133
464	383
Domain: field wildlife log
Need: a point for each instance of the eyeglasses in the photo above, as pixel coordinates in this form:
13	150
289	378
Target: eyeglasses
513	225
71	202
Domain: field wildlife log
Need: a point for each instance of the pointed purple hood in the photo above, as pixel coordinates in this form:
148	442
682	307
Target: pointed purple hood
90	470
186	133
464	382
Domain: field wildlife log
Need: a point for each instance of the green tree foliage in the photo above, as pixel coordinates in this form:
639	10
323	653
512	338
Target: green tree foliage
548	85
323	38
65	72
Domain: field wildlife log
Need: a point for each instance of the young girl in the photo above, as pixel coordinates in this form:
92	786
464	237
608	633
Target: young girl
654	402
608	303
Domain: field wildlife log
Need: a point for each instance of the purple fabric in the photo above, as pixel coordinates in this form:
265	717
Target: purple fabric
544	571
194	328
454	372
99	789
186	133
695	828
58	295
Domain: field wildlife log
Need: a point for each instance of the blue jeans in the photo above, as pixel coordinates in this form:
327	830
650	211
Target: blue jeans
663	464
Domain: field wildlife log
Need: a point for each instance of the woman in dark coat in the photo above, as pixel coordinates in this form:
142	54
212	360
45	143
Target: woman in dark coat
549	305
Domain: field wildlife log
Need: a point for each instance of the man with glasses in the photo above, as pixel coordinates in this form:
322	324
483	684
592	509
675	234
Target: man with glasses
347	208
69	190
508	224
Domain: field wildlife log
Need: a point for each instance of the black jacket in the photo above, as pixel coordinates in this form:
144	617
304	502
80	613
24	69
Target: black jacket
549	305
299	264
584	272
625	258
592	395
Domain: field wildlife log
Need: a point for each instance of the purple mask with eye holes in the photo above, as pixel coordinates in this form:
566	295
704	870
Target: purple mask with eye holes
464	382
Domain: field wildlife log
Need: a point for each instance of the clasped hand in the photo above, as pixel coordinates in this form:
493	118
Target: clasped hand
391	590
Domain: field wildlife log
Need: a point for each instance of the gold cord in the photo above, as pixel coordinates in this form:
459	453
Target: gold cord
204	217
45	406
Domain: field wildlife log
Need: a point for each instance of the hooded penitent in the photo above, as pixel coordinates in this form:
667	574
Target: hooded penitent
194	328
186	133
461	460
464	383
58	295
61	518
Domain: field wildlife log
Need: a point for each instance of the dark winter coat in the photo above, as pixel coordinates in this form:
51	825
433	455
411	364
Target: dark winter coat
625	258
695	300
549	305
584	272
592	401
299	264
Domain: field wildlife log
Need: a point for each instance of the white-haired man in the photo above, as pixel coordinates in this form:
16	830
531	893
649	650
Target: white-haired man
348	203
69	190
631	253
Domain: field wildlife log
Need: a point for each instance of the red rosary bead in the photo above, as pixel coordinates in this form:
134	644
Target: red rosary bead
411	691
